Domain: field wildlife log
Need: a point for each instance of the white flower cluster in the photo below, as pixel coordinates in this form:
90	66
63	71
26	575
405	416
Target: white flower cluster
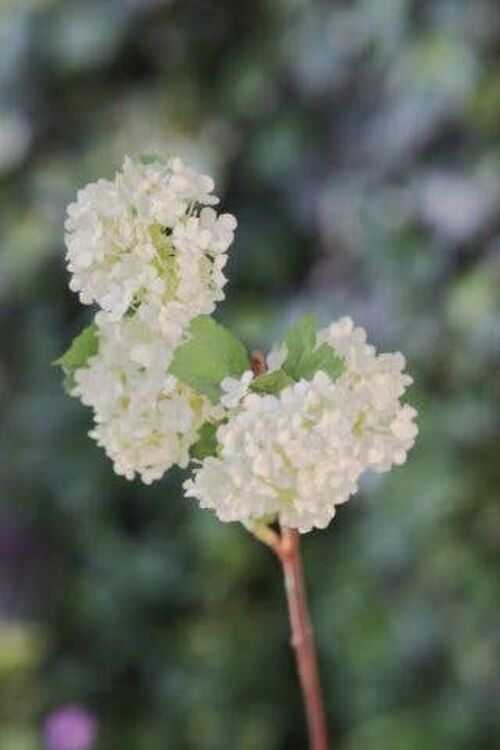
145	419
150	242
300	453
149	250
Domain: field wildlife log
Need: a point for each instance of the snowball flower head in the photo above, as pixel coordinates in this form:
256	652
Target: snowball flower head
300	453
149	241
145	419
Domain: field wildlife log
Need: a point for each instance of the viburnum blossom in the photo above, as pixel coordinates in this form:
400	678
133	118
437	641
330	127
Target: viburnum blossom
300	453
145	419
149	250
149	241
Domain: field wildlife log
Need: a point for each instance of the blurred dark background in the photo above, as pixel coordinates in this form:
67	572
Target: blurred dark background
358	143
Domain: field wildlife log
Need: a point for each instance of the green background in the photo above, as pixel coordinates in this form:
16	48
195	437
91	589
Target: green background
358	144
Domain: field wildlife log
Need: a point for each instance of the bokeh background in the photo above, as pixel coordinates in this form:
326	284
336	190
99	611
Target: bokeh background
358	143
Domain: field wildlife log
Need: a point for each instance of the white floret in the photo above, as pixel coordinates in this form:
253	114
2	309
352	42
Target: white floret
234	389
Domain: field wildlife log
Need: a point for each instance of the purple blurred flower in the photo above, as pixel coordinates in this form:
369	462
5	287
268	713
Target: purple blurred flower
69	728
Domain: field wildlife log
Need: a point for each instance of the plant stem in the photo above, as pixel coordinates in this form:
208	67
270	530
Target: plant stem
287	548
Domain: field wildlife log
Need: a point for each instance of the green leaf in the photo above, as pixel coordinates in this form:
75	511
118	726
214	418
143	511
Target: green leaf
206	444
83	346
271	382
147	159
211	354
304	357
322	358
300	340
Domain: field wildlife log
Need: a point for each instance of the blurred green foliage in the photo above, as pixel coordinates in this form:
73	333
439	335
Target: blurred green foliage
358	143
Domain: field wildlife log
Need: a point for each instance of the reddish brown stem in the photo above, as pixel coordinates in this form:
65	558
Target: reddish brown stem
287	548
258	363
